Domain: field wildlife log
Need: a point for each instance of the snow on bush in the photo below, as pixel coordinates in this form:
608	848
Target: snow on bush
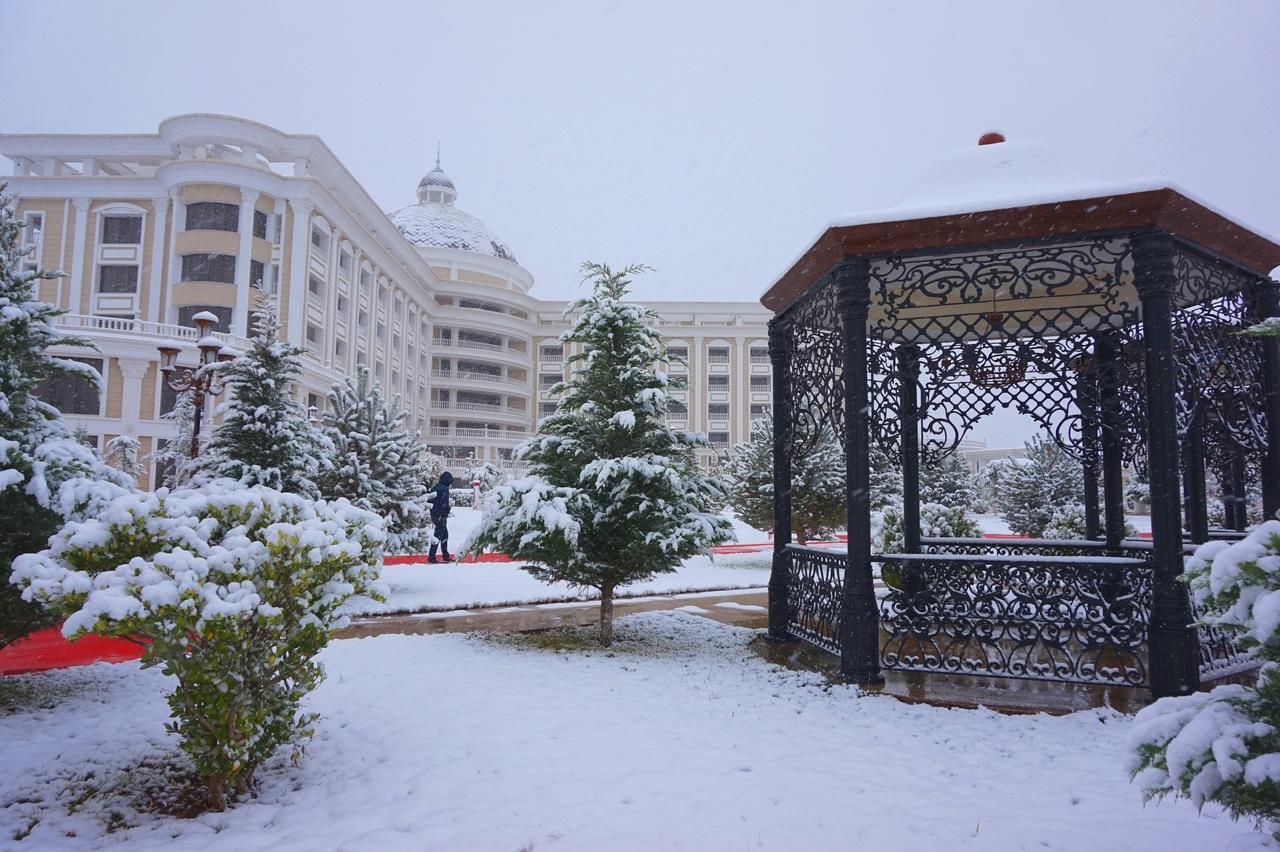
234	590
936	521
1224	746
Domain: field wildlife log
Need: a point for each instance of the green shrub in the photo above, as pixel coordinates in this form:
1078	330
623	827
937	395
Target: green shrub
234	590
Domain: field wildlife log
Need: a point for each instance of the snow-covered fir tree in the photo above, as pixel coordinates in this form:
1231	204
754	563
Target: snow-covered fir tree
817	481
489	476
886	479
614	496
376	463
122	454
264	437
949	482
173	457
1032	489
47	477
1137	491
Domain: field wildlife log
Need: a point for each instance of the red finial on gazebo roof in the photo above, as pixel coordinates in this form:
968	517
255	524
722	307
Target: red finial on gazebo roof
992	138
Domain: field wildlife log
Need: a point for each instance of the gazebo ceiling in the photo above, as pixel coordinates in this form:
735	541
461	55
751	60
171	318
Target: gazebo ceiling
1007	192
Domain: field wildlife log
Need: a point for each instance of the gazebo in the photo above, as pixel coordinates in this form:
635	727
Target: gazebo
1110	315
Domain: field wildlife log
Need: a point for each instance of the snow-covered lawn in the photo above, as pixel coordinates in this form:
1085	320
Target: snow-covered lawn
680	739
419	587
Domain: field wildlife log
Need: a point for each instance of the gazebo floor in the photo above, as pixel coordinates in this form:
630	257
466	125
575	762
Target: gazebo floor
1004	695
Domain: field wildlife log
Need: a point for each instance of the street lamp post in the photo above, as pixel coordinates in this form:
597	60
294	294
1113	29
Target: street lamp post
201	381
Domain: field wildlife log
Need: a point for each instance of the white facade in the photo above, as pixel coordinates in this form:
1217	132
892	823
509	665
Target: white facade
152	228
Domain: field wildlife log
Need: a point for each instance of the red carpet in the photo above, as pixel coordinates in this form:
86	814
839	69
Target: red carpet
46	649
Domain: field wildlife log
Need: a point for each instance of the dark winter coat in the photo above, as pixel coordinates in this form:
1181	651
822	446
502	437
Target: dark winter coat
440	496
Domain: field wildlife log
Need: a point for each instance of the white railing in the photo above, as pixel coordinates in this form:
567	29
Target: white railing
718	359
475	345
473	432
759	358
478	377
142	328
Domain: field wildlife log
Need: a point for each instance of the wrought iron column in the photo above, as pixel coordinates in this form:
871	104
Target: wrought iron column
1172	644
1237	505
1108	352
1087	399
909	417
1270	307
780	359
1194	498
859	618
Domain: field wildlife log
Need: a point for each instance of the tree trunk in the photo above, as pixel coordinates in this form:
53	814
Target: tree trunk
801	538
217	793
606	616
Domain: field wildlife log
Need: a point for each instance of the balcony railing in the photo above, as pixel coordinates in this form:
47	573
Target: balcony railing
475	345
485	407
479	377
473	432
141	328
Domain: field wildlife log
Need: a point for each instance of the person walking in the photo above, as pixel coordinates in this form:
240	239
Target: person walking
440	518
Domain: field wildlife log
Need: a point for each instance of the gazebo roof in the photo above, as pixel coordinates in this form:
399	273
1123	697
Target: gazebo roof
1010	191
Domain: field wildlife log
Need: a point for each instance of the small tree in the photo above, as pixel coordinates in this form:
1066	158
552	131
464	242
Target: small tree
817	481
173	458
236	613
1224	746
1137	491
615	496
264	437
886	479
1031	489
936	521
46	475
377	465
949	482
122	454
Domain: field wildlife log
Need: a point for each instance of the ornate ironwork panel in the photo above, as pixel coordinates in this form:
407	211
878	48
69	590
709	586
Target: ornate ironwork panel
815	589
817	363
1219	654
1012	547
1076	620
1004	328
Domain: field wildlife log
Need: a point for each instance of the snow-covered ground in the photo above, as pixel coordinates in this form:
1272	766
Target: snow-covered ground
678	739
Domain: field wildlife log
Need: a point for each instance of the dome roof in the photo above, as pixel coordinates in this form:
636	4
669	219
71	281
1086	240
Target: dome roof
434	221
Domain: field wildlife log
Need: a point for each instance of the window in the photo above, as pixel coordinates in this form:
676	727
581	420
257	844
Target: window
315	286
186	312
313	403
759	383
362	358
546	409
677	409
343	305
72	393
214	216
681	352
552	353
121	230
395	380
363	318
118	279
546	381
718	411
718	355
319	241
344	261
313	333
718	382
366	278
260	224
168	398
32	232
382	331
759	410
255	273
339	349
759	355
209	267
718	439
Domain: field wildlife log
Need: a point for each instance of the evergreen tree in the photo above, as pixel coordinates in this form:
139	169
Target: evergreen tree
949	482
886	480
1032	489
122	454
173	459
264	437
47	477
614	495
817	482
377	465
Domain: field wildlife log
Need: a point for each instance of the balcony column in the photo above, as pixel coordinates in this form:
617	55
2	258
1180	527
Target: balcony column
133	371
244	257
296	298
75	288
175	261
159	226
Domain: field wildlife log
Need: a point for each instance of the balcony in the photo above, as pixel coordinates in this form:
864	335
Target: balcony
487	378
501	435
132	329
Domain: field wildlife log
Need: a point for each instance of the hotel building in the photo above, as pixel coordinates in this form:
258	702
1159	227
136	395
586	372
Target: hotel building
151	229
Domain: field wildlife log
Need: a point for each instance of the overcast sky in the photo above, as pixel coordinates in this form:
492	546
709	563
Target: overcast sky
710	140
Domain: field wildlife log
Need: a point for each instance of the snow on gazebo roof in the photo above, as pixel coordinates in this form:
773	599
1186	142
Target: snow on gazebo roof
1005	191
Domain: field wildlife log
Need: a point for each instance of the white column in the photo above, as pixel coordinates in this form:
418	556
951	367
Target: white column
75	286
175	262
240	314
300	242
159	223
133	370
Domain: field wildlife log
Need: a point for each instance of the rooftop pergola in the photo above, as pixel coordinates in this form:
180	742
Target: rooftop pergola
1110	315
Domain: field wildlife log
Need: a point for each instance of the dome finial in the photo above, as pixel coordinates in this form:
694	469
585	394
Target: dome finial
437	155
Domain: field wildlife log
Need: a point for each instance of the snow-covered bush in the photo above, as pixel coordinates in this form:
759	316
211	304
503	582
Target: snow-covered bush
1067	523
47	476
489	475
936	521
614	496
817	480
234	590
1224	746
